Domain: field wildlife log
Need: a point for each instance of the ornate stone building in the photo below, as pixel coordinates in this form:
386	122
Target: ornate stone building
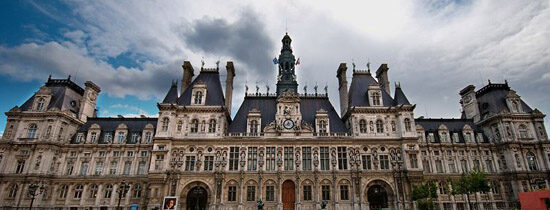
290	149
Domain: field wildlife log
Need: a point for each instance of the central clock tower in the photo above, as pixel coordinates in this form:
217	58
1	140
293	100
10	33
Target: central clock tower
286	79
288	116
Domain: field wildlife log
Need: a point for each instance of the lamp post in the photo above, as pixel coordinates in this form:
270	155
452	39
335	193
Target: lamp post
122	190
35	190
397	162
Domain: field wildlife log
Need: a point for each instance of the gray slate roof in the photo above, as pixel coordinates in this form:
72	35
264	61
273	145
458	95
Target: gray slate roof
399	97
358	90
63	92
109	124
492	99
267	105
172	95
214	92
431	125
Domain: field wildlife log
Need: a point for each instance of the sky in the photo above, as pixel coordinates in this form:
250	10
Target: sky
134	49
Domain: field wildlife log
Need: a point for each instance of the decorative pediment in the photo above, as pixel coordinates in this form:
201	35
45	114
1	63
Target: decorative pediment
44	91
288	96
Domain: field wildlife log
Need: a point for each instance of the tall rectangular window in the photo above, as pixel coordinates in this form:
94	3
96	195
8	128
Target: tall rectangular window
366	162
270	193
98	168
344	192
270	159
426	165
120	137
477	165
142	168
452	167
413	160
127	167
70	168
289	158
384	162
84	168
250	193
20	166
252	159
189	163
342	158
439	166
114	166
306	158
325	192
307	192
233	158
464	165
489	165
325	165
232	193
209	163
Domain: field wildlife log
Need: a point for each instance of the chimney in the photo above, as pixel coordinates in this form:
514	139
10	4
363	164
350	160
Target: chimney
469	104
343	88
187	75
382	77
88	101
229	85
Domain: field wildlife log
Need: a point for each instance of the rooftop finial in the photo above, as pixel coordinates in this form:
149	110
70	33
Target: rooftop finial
326	89
267	89
305	89
69	78
245	89
315	88
202	62
489	81
218	64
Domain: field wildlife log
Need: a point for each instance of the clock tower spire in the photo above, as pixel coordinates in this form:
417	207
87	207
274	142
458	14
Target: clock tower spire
286	79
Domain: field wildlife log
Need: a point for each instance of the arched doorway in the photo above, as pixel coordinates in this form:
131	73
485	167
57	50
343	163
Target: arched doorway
288	195
197	198
378	197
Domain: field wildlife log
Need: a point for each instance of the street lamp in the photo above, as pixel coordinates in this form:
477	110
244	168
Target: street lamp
122	190
35	190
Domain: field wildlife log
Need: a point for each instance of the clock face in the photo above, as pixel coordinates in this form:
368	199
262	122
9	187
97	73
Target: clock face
288	124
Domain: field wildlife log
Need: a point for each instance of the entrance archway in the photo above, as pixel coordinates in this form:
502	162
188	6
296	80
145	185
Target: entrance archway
288	195
378	197
197	198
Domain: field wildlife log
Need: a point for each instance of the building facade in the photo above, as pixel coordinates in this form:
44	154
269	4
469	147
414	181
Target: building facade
289	149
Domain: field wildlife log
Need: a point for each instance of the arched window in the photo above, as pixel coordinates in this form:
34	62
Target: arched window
516	106
254	127
379	126
198	97
212	126
78	191
93	191
194	126
375	98
323	127
31	133
165	123
60	135
13	191
179	126
137	191
523	131
40	104
443	136
362	126
531	161
408	127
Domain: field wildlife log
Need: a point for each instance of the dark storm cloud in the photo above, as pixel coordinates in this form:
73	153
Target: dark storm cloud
245	40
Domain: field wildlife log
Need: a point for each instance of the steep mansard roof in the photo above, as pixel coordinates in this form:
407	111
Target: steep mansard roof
453	125
214	92
399	97
359	87
63	91
267	105
492	99
108	124
172	95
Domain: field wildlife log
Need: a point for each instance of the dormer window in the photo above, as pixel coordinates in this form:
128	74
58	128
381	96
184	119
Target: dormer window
40	104
93	137
147	137
108	137
198	97
194	126
179	126
443	136
253	127
323	127
79	138
362	126
375	98
134	138
198	94
212	126
120	137
515	104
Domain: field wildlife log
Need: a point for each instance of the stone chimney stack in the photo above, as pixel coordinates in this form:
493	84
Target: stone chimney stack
343	88
88	101
382	77
187	75
469	104
229	85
